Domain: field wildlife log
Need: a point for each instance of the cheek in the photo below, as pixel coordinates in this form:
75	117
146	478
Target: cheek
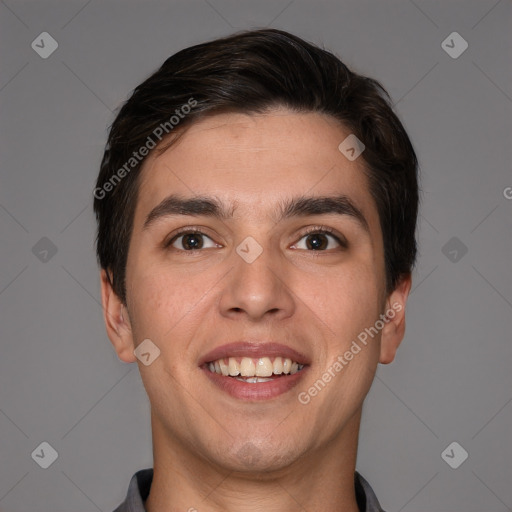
349	303
346	299
168	305
157	302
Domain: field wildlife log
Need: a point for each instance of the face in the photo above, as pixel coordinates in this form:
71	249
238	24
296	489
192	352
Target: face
255	264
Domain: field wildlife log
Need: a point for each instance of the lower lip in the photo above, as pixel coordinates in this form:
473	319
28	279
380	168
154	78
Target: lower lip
256	390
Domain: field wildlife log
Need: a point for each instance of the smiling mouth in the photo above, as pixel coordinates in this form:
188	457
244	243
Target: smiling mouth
254	370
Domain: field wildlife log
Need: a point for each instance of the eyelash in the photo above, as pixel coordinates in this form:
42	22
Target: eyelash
311	230
180	232
326	230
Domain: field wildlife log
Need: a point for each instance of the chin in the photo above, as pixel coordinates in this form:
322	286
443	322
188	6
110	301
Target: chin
257	456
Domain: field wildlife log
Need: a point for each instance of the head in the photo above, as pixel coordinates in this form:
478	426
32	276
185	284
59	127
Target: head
238	141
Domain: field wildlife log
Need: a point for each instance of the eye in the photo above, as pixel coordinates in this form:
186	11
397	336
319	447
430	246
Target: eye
191	240
319	240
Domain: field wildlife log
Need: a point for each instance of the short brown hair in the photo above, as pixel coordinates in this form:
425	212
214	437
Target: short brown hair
253	72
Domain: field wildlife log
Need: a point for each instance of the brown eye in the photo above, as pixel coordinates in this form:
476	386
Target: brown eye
318	241
192	241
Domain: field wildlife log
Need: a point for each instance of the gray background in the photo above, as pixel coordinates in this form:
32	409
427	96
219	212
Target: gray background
60	380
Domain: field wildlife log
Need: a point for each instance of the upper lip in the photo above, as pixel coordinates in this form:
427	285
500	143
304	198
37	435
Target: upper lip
255	350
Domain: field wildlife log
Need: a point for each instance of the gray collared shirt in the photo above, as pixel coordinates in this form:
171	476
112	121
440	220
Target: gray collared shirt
138	491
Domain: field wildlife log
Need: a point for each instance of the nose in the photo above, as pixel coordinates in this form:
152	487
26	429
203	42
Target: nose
257	290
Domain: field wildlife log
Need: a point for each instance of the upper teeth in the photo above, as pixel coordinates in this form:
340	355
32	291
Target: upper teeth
249	367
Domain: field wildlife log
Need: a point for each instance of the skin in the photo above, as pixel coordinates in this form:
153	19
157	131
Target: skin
212	451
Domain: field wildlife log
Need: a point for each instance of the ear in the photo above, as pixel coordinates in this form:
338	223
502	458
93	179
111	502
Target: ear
117	321
394	329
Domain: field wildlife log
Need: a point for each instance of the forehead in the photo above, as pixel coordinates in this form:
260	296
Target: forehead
253	161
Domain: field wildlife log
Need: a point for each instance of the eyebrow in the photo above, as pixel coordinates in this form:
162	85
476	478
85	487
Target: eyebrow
296	207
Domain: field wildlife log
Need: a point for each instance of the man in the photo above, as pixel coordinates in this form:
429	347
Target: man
256	208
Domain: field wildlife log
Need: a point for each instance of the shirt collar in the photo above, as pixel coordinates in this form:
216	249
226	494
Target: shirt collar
138	492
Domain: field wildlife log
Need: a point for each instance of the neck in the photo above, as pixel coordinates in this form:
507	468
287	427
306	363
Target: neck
320	480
